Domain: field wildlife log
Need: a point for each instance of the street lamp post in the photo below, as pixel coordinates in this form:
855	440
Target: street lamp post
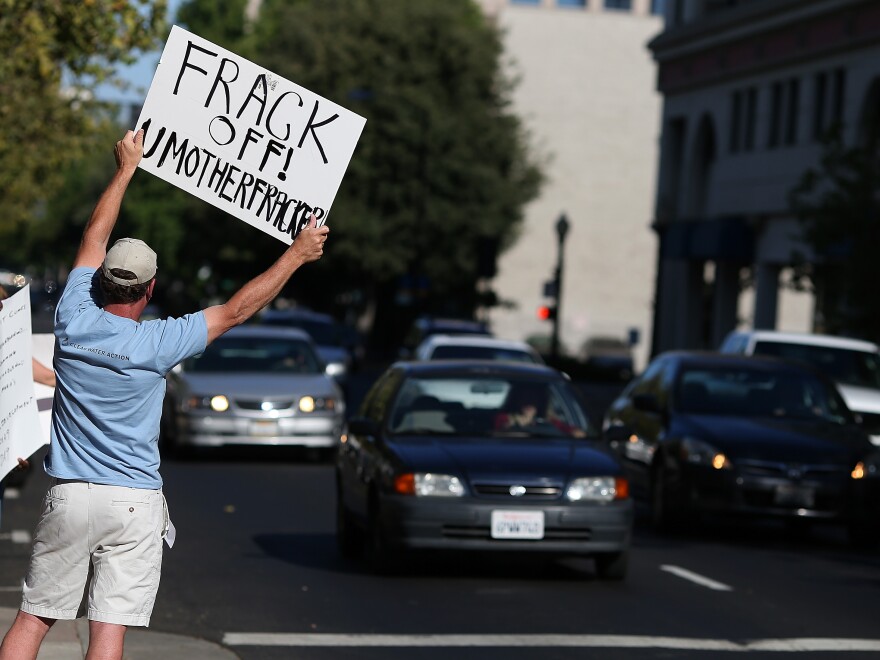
562	227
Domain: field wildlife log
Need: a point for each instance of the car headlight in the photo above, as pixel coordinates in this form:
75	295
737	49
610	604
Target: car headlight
597	489
218	403
698	452
308	404
428	484
867	468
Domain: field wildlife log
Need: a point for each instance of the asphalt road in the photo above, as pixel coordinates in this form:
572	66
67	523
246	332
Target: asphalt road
255	566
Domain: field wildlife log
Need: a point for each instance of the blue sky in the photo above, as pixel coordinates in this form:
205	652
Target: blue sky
140	74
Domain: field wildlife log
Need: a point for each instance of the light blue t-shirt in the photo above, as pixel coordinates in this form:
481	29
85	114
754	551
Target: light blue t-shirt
110	384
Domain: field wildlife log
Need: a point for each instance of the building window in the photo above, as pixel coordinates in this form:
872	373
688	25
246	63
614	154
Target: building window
743	114
622	5
658	7
525	2
751	118
820	99
785	109
735	121
571	3
793	106
839	97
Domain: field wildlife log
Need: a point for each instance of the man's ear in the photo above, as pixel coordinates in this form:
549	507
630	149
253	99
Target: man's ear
150	288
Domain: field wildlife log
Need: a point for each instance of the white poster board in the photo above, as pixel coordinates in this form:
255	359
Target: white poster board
20	431
44	352
251	143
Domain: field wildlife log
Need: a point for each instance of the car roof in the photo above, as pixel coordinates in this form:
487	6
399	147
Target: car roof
294	314
477	367
712	359
477	340
809	339
268	332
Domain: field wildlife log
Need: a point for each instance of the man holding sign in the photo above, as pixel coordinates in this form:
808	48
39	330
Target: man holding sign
105	511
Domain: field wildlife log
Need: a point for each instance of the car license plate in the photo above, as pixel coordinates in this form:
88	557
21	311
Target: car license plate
792	495
264	427
517	524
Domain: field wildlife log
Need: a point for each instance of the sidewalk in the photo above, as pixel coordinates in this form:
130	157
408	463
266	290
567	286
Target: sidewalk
68	640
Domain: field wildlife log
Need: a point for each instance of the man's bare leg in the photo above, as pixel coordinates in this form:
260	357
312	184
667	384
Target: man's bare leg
23	640
105	641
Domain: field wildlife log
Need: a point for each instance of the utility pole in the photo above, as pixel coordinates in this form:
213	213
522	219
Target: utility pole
562	227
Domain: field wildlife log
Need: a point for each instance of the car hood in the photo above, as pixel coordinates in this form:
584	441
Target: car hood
756	438
860	399
258	385
488	460
330	354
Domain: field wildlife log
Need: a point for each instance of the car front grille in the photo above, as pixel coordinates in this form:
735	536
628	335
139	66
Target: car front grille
531	492
793	471
482	533
245	404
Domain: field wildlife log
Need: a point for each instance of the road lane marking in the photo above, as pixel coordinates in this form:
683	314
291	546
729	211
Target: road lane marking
547	641
695	578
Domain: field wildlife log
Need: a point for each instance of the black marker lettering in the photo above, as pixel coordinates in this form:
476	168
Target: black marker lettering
261	83
186	65
220	79
310	127
272	112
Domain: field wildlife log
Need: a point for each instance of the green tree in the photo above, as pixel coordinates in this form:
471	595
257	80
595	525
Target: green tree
52	56
838	205
443	163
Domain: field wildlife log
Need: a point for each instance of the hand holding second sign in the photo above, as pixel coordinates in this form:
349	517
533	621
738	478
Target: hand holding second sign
309	243
129	151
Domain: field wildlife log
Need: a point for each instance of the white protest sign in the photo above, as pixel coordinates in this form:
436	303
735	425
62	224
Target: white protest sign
251	143
20	431
44	352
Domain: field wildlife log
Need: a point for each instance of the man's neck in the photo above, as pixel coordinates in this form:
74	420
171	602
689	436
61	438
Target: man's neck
131	311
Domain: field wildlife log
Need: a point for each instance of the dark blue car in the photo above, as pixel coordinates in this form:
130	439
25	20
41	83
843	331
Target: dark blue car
479	456
704	433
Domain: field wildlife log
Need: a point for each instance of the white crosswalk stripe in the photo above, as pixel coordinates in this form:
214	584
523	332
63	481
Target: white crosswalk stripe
546	641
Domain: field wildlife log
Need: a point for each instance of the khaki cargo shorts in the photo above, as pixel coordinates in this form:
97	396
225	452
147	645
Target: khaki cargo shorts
104	538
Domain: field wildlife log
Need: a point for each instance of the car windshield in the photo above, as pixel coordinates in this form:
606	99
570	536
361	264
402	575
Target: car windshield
846	366
453	352
256	354
496	406
323	333
758	393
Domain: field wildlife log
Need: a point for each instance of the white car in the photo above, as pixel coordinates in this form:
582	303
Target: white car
475	347
853	364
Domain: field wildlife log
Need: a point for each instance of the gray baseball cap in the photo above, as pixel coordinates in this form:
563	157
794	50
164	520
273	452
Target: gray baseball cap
132	255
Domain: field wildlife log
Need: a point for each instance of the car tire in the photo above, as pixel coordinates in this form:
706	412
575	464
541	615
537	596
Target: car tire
349	540
612	565
666	507
382	558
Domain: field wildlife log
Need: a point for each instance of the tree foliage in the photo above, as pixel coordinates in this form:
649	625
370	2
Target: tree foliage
442	163
838	204
52	55
442	167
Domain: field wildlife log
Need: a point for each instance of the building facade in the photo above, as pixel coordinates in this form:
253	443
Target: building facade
750	87
588	97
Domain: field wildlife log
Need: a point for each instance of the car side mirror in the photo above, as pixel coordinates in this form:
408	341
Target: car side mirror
647	403
363	426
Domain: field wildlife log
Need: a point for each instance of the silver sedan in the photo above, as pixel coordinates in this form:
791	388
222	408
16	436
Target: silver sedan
254	386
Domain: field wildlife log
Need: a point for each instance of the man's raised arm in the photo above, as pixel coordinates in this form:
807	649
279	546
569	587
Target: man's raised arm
93	247
260	291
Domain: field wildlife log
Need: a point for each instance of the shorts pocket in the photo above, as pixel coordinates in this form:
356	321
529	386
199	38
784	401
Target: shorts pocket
131	502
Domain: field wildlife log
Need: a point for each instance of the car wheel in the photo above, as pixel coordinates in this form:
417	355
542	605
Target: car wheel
348	537
612	565
666	509
383	559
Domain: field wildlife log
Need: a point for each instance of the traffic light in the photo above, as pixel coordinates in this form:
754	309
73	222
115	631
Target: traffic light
546	312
